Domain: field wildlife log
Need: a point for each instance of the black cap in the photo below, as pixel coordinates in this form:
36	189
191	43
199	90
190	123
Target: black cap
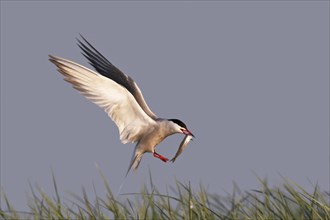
180	123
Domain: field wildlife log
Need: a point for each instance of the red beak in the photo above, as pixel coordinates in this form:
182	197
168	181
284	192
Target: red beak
187	132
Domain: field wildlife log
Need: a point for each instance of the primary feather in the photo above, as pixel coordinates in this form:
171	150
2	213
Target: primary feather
107	69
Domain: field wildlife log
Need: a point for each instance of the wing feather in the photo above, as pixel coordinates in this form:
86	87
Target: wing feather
116	100
107	69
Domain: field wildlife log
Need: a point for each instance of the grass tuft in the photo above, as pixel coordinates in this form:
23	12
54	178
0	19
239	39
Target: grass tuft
288	202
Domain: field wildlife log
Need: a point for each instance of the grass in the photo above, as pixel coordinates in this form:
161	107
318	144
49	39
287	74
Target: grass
288	201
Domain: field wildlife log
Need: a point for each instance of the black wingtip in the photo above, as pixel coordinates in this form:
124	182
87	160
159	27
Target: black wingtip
85	40
82	37
79	42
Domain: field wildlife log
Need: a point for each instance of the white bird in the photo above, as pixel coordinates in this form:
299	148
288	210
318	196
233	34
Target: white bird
122	100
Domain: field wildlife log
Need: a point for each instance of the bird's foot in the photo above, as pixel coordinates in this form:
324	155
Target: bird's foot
161	157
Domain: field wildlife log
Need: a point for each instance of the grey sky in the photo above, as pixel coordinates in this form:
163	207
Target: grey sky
250	80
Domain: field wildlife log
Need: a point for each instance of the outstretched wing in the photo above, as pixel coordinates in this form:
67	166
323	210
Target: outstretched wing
116	100
107	69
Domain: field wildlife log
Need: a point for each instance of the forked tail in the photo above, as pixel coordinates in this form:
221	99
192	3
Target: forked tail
135	161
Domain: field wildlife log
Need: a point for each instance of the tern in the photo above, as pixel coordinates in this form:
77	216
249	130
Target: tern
121	98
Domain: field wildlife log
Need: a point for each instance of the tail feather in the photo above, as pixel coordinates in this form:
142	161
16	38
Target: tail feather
135	161
134	164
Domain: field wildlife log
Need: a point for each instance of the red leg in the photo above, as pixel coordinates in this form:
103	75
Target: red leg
160	157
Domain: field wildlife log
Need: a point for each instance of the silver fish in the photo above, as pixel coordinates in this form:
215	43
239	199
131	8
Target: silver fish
182	146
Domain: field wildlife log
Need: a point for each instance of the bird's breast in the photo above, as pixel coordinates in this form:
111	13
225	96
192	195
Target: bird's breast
152	139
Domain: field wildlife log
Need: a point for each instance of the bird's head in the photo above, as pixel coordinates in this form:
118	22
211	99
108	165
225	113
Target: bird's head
181	127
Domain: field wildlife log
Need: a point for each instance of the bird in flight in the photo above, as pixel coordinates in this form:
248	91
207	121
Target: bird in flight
121	98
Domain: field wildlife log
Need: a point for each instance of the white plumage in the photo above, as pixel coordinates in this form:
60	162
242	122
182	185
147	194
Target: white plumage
116	101
122	100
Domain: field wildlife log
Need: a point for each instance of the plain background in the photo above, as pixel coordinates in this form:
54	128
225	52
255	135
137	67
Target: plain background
250	79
